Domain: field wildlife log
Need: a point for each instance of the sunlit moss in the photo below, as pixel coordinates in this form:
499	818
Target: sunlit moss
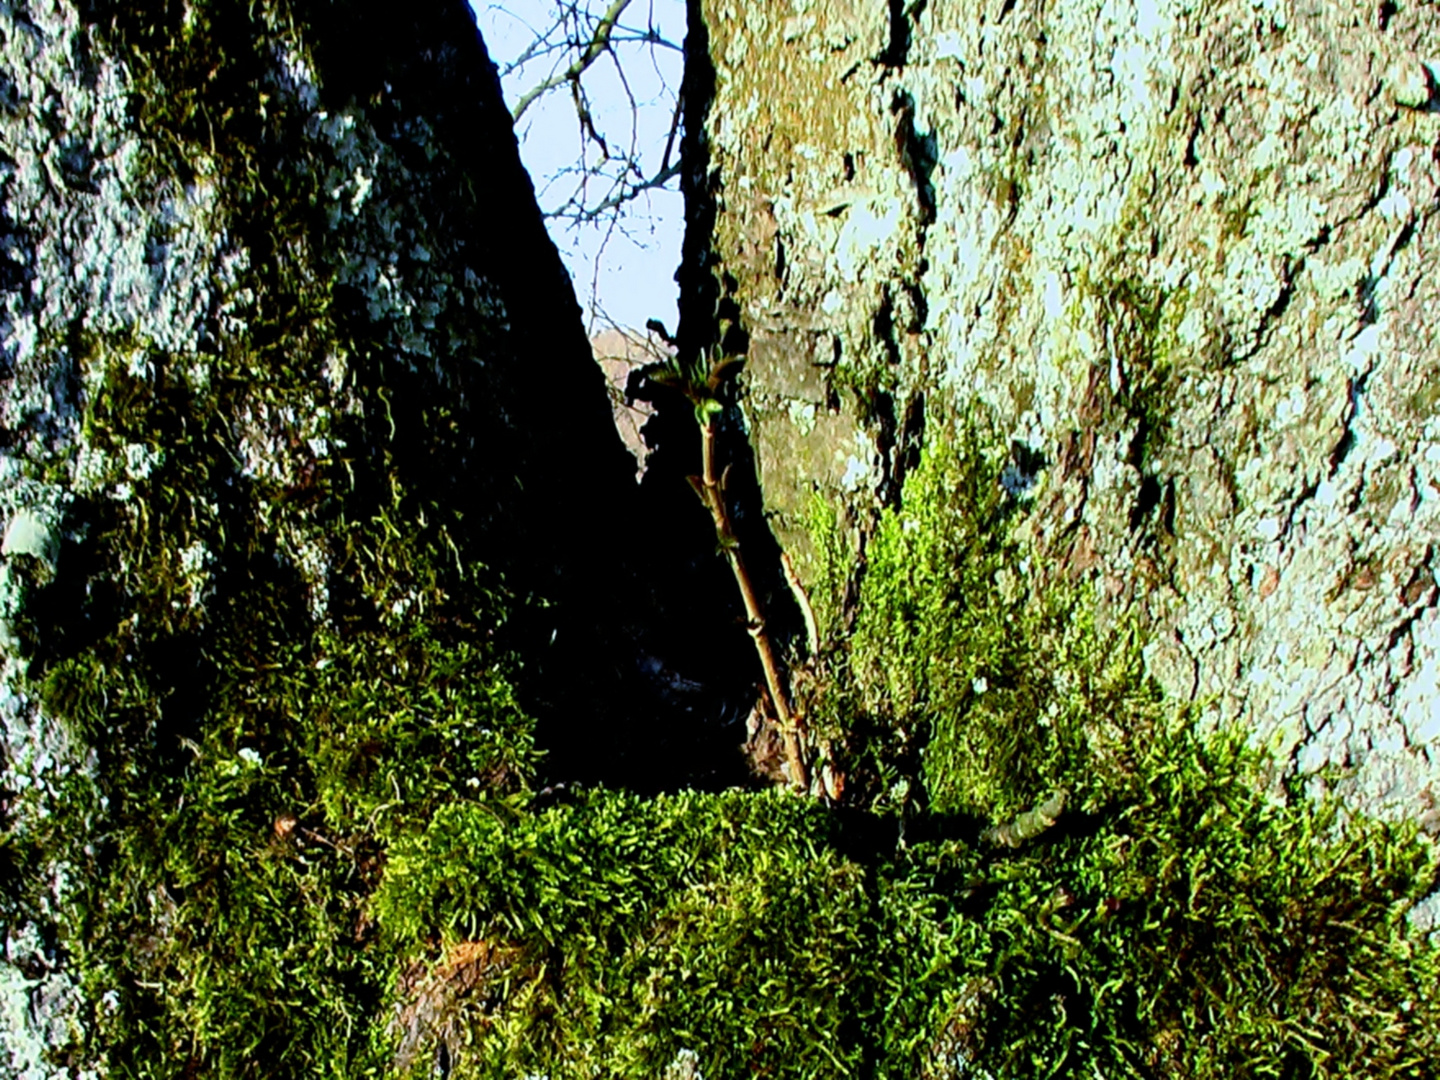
1197	928
638	930
1180	920
314	802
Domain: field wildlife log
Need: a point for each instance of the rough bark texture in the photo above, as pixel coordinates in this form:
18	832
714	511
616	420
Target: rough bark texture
286	358
307	476
1176	256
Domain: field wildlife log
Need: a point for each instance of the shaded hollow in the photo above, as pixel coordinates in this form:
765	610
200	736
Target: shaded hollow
645	673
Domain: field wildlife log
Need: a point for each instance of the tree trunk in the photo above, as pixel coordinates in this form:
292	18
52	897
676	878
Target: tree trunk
1173	257
290	368
308	477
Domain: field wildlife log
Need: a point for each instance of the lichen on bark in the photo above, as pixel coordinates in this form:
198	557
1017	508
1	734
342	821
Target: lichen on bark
1171	255
1070	360
281	404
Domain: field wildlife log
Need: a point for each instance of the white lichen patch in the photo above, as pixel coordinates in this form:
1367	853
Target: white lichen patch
396	269
98	251
1259	265
196	559
868	228
862	465
310	556
35	1014
684	1066
802	415
33	532
1417	705
141	460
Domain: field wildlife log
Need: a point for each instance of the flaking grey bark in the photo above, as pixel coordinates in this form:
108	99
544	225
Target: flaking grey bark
1176	256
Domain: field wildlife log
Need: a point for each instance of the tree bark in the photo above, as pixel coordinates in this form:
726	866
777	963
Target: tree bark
1175	256
286	356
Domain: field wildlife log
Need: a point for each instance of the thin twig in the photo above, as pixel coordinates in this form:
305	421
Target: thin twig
660	179
797	590
599	44
711	489
674	127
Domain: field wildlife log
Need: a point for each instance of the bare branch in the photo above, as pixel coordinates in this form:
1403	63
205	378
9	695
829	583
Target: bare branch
540	45
610	168
587	121
599	44
674	127
634	108
660	179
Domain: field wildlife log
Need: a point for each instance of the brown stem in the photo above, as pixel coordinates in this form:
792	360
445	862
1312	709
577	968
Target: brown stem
711	490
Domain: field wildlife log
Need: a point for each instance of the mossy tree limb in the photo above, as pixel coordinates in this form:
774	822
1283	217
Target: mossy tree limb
1026	826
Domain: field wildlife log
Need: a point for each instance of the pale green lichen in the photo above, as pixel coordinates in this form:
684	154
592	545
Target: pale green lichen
35	534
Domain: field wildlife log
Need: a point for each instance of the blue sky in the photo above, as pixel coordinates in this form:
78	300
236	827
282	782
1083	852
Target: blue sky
624	266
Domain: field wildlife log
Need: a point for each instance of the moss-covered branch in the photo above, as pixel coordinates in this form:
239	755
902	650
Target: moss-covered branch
1027	826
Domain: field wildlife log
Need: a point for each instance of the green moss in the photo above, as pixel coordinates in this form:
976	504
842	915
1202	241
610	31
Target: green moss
312	831
341	867
279	648
999	695
400	728
833	566
1181	920
1197	928
211	945
634	932
1193	926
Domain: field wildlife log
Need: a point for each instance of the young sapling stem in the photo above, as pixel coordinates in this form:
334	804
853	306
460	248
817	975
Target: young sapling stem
710	486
